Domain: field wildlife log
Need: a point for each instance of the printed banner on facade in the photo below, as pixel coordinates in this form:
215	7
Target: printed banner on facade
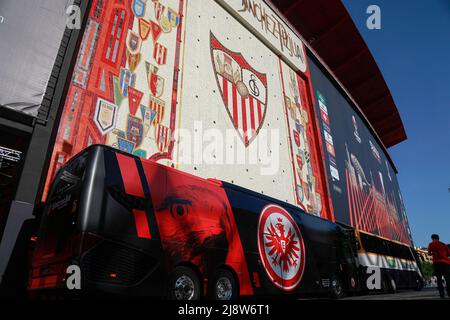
363	187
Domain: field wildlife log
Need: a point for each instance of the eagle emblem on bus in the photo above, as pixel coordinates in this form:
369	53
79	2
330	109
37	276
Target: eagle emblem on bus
281	247
243	90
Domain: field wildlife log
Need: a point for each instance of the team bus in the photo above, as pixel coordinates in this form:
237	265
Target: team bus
138	228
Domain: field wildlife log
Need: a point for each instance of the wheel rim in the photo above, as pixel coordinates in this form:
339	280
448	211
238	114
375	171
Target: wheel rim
224	289
184	288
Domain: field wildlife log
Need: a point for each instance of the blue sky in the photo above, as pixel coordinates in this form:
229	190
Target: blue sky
412	50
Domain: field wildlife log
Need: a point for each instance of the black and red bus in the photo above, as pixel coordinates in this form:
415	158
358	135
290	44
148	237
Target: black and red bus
138	228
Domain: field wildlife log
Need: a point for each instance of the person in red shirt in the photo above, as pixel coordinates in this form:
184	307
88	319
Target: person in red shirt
441	263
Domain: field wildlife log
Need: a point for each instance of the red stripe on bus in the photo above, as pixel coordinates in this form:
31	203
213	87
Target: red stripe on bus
50	281
130	175
44	282
142	228
133	186
35	283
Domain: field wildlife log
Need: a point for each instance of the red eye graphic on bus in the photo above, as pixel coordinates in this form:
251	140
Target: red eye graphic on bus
281	247
190	221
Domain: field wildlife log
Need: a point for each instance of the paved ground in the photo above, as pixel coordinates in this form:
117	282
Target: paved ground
425	294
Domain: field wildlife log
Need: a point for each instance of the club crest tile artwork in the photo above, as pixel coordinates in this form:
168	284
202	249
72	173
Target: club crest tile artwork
123	78
131	87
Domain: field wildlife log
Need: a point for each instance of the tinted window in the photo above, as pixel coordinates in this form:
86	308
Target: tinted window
385	247
60	219
374	244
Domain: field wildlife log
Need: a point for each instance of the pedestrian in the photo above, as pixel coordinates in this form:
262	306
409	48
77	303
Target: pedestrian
441	263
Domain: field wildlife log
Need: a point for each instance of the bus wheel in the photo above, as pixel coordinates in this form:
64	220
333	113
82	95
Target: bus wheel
225	286
184	284
337	290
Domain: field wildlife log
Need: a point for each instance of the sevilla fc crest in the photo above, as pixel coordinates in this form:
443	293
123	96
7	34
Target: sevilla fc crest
281	247
243	90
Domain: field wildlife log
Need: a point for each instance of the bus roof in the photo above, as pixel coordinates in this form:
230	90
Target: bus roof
211	181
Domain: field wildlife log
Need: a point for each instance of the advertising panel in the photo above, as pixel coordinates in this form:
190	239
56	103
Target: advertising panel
363	185
303	145
30	33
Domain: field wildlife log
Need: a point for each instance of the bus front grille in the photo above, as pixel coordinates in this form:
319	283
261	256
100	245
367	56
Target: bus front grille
115	264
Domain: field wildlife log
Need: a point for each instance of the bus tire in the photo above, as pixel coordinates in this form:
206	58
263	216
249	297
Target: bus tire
184	284
225	286
337	289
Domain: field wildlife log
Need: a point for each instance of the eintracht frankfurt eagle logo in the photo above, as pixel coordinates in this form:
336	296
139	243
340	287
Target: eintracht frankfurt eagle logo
243	90
281	247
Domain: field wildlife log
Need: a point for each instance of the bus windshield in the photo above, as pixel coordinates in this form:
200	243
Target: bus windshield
60	216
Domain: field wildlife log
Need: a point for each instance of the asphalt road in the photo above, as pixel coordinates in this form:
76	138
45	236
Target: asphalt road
425	294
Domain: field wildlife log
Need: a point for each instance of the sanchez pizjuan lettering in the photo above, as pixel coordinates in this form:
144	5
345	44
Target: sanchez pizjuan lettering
269	25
